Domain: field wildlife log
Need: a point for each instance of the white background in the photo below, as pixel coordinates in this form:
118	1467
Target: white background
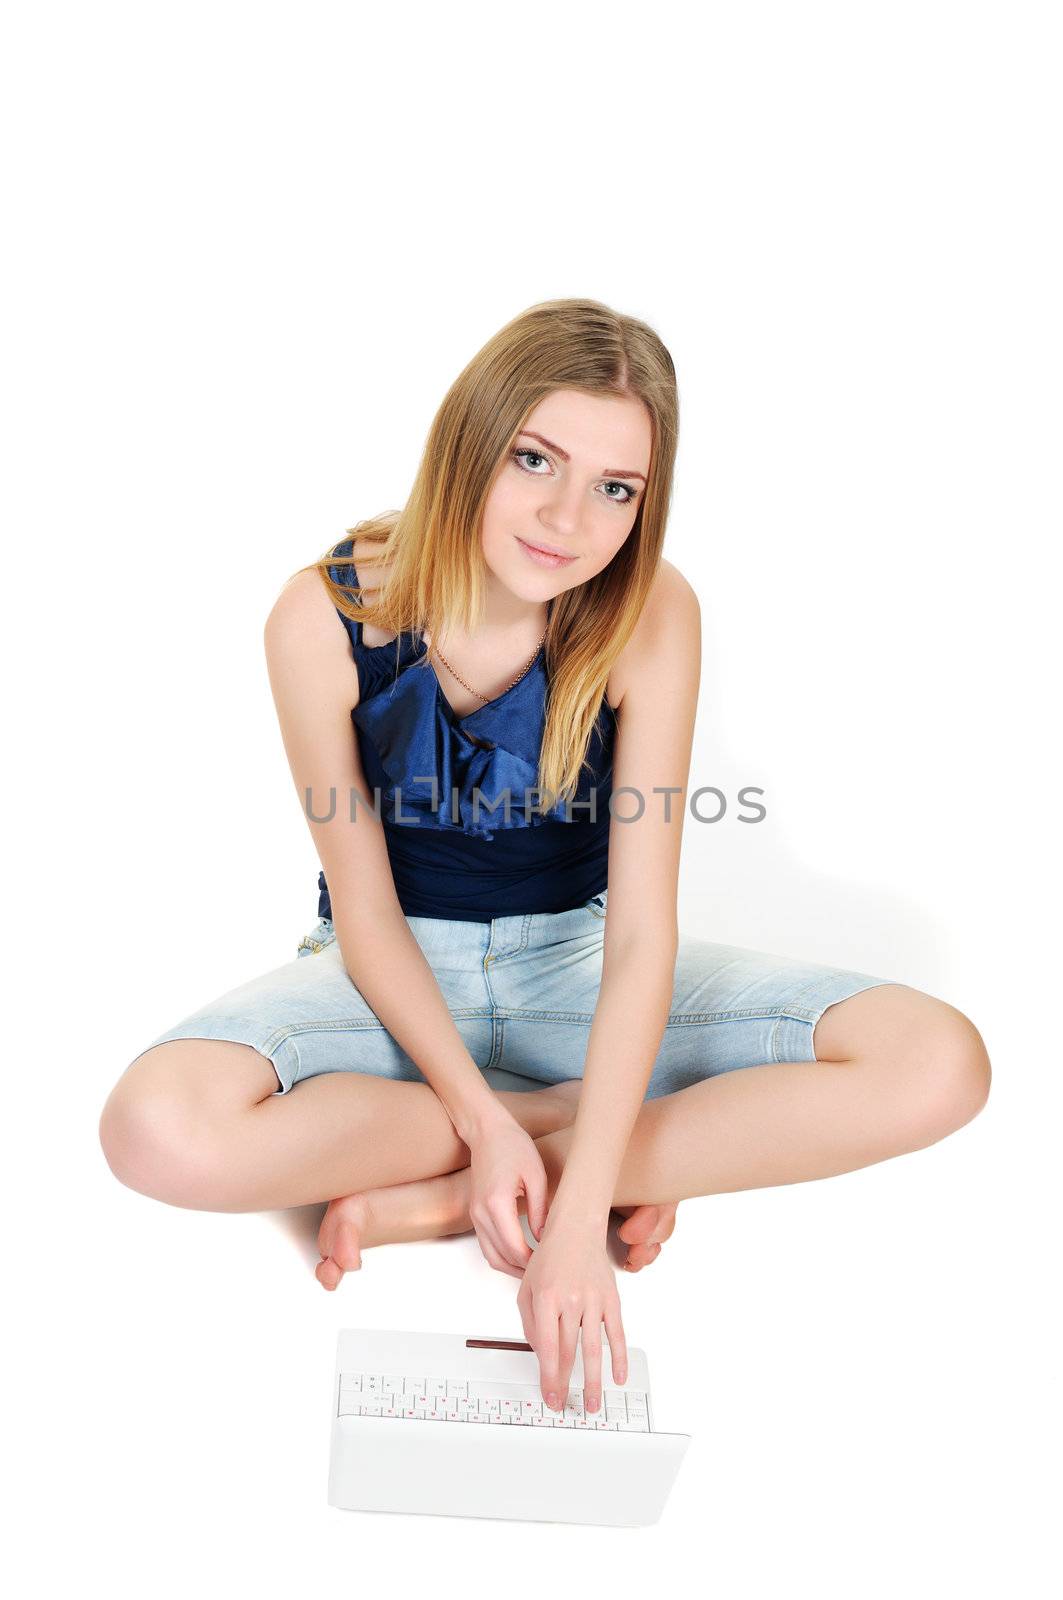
249	247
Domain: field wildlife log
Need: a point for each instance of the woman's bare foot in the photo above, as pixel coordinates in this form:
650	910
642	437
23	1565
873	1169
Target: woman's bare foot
431	1208
427	1208
646	1229
344	1229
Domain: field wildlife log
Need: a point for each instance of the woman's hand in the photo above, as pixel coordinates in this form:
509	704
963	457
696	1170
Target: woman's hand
505	1162
569	1287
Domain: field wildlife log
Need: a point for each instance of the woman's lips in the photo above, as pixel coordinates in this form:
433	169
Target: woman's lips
543	558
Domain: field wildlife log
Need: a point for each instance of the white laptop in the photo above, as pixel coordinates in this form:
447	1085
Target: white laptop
456	1426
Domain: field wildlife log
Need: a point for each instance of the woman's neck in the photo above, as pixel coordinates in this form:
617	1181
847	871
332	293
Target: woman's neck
506	613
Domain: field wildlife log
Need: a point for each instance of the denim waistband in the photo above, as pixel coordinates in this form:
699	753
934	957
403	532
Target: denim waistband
533	930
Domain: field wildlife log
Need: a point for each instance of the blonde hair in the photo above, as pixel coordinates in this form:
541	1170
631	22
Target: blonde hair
432	549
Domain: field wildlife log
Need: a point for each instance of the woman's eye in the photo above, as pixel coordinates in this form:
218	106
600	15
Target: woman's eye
525	454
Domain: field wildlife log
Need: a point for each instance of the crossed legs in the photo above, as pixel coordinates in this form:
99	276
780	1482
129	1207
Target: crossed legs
895	1070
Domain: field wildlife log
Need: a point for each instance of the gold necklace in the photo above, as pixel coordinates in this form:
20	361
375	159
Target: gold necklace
485	697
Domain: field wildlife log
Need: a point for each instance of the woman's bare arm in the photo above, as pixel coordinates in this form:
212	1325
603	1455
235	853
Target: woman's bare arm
654	745
314	681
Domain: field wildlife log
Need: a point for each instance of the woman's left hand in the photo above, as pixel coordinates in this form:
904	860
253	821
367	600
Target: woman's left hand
569	1288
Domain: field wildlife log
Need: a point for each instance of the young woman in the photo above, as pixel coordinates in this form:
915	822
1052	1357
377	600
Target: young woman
500	841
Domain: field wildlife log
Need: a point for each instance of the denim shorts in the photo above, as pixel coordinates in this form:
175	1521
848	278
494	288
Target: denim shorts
522	992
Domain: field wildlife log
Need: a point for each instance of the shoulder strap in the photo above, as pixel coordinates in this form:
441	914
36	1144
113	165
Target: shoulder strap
344	574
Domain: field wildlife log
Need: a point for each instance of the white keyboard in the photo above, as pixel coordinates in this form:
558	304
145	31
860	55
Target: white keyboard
364	1394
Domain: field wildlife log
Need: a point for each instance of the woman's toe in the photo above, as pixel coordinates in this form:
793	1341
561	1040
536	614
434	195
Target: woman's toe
326	1231
640	1255
650	1224
644	1230
327	1273
339	1243
639	1226
346	1247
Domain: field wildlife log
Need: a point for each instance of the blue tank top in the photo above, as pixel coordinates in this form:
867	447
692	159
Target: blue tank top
448	858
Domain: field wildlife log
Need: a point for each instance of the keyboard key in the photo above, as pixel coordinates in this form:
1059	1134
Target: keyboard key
485	1403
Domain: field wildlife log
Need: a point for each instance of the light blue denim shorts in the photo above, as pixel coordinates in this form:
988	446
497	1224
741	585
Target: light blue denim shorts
522	992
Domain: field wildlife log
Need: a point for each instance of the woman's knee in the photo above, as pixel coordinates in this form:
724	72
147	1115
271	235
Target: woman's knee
162	1124
931	1060
964	1072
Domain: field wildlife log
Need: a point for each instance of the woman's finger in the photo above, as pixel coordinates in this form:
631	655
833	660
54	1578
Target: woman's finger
546	1344
567	1345
502	1250
495	1257
490	1250
614	1332
509	1236
535	1193
591	1330
527	1321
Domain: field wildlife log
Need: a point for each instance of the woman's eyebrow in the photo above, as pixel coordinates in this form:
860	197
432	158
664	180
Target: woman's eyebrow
608	472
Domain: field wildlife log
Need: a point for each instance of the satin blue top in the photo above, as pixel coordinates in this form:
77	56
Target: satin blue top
454	853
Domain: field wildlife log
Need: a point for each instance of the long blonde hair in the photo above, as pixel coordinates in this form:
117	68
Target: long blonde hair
432	549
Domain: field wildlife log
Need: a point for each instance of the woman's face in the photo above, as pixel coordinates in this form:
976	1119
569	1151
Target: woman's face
573	483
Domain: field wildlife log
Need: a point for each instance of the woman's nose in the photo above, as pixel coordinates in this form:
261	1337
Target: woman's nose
562	511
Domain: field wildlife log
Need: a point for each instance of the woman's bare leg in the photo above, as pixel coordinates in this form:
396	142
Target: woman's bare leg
896	1070
196	1123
